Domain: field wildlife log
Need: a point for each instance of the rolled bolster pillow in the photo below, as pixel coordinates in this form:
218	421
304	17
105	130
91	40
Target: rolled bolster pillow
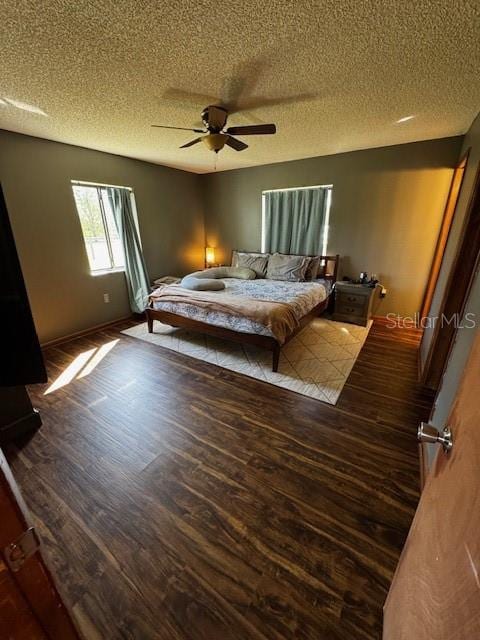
202	284
209	279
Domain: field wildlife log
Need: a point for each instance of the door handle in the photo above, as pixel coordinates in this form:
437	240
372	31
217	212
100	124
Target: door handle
428	433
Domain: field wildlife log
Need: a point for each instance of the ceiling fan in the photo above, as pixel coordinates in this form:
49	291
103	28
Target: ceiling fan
214	118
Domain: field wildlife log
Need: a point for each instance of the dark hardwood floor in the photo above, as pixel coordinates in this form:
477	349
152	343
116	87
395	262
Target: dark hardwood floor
176	499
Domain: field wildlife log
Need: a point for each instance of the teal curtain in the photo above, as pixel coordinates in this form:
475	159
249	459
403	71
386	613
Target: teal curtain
295	221
135	269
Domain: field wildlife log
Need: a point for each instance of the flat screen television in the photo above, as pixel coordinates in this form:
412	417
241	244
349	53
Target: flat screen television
21	360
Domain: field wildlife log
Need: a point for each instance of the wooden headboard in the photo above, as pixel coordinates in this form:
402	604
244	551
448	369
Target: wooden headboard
329	267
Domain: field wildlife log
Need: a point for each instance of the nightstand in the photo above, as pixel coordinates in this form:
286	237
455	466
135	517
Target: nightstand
354	302
165	281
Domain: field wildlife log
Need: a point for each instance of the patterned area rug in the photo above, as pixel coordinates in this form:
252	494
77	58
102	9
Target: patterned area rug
315	363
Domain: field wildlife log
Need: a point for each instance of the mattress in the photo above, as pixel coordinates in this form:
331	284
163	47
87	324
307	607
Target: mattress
301	297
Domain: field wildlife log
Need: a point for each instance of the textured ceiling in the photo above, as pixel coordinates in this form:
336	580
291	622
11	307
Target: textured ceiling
333	75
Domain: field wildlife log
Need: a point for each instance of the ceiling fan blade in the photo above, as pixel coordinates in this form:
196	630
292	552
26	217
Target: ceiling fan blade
217	118
191	143
252	130
238	145
162	126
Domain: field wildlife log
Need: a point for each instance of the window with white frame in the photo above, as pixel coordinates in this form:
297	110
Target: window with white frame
100	234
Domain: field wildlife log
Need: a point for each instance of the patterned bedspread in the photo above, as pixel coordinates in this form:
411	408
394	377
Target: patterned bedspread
302	297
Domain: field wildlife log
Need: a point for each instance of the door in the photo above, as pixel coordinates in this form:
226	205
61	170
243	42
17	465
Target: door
444	232
30	606
458	287
435	593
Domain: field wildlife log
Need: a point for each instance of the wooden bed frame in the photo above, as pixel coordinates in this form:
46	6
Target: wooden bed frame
329	265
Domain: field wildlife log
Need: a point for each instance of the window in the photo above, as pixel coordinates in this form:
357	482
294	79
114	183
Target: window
102	242
297	220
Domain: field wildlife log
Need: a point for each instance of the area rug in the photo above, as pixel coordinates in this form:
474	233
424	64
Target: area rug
315	363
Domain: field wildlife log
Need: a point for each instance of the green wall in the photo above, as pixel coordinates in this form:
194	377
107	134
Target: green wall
65	297
386	210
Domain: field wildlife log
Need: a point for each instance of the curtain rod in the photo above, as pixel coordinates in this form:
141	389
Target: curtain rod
316	186
99	184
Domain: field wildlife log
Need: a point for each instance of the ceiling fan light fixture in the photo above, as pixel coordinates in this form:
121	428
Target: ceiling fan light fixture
214	118
215	141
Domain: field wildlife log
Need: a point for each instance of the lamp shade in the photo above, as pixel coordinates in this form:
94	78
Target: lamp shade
209	255
215	141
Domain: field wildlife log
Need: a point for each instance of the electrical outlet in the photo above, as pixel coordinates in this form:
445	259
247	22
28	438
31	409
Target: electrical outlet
106	298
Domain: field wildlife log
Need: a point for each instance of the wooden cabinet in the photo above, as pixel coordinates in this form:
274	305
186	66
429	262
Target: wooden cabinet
354	302
17	416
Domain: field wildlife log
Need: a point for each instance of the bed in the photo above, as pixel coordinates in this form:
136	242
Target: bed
261	312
